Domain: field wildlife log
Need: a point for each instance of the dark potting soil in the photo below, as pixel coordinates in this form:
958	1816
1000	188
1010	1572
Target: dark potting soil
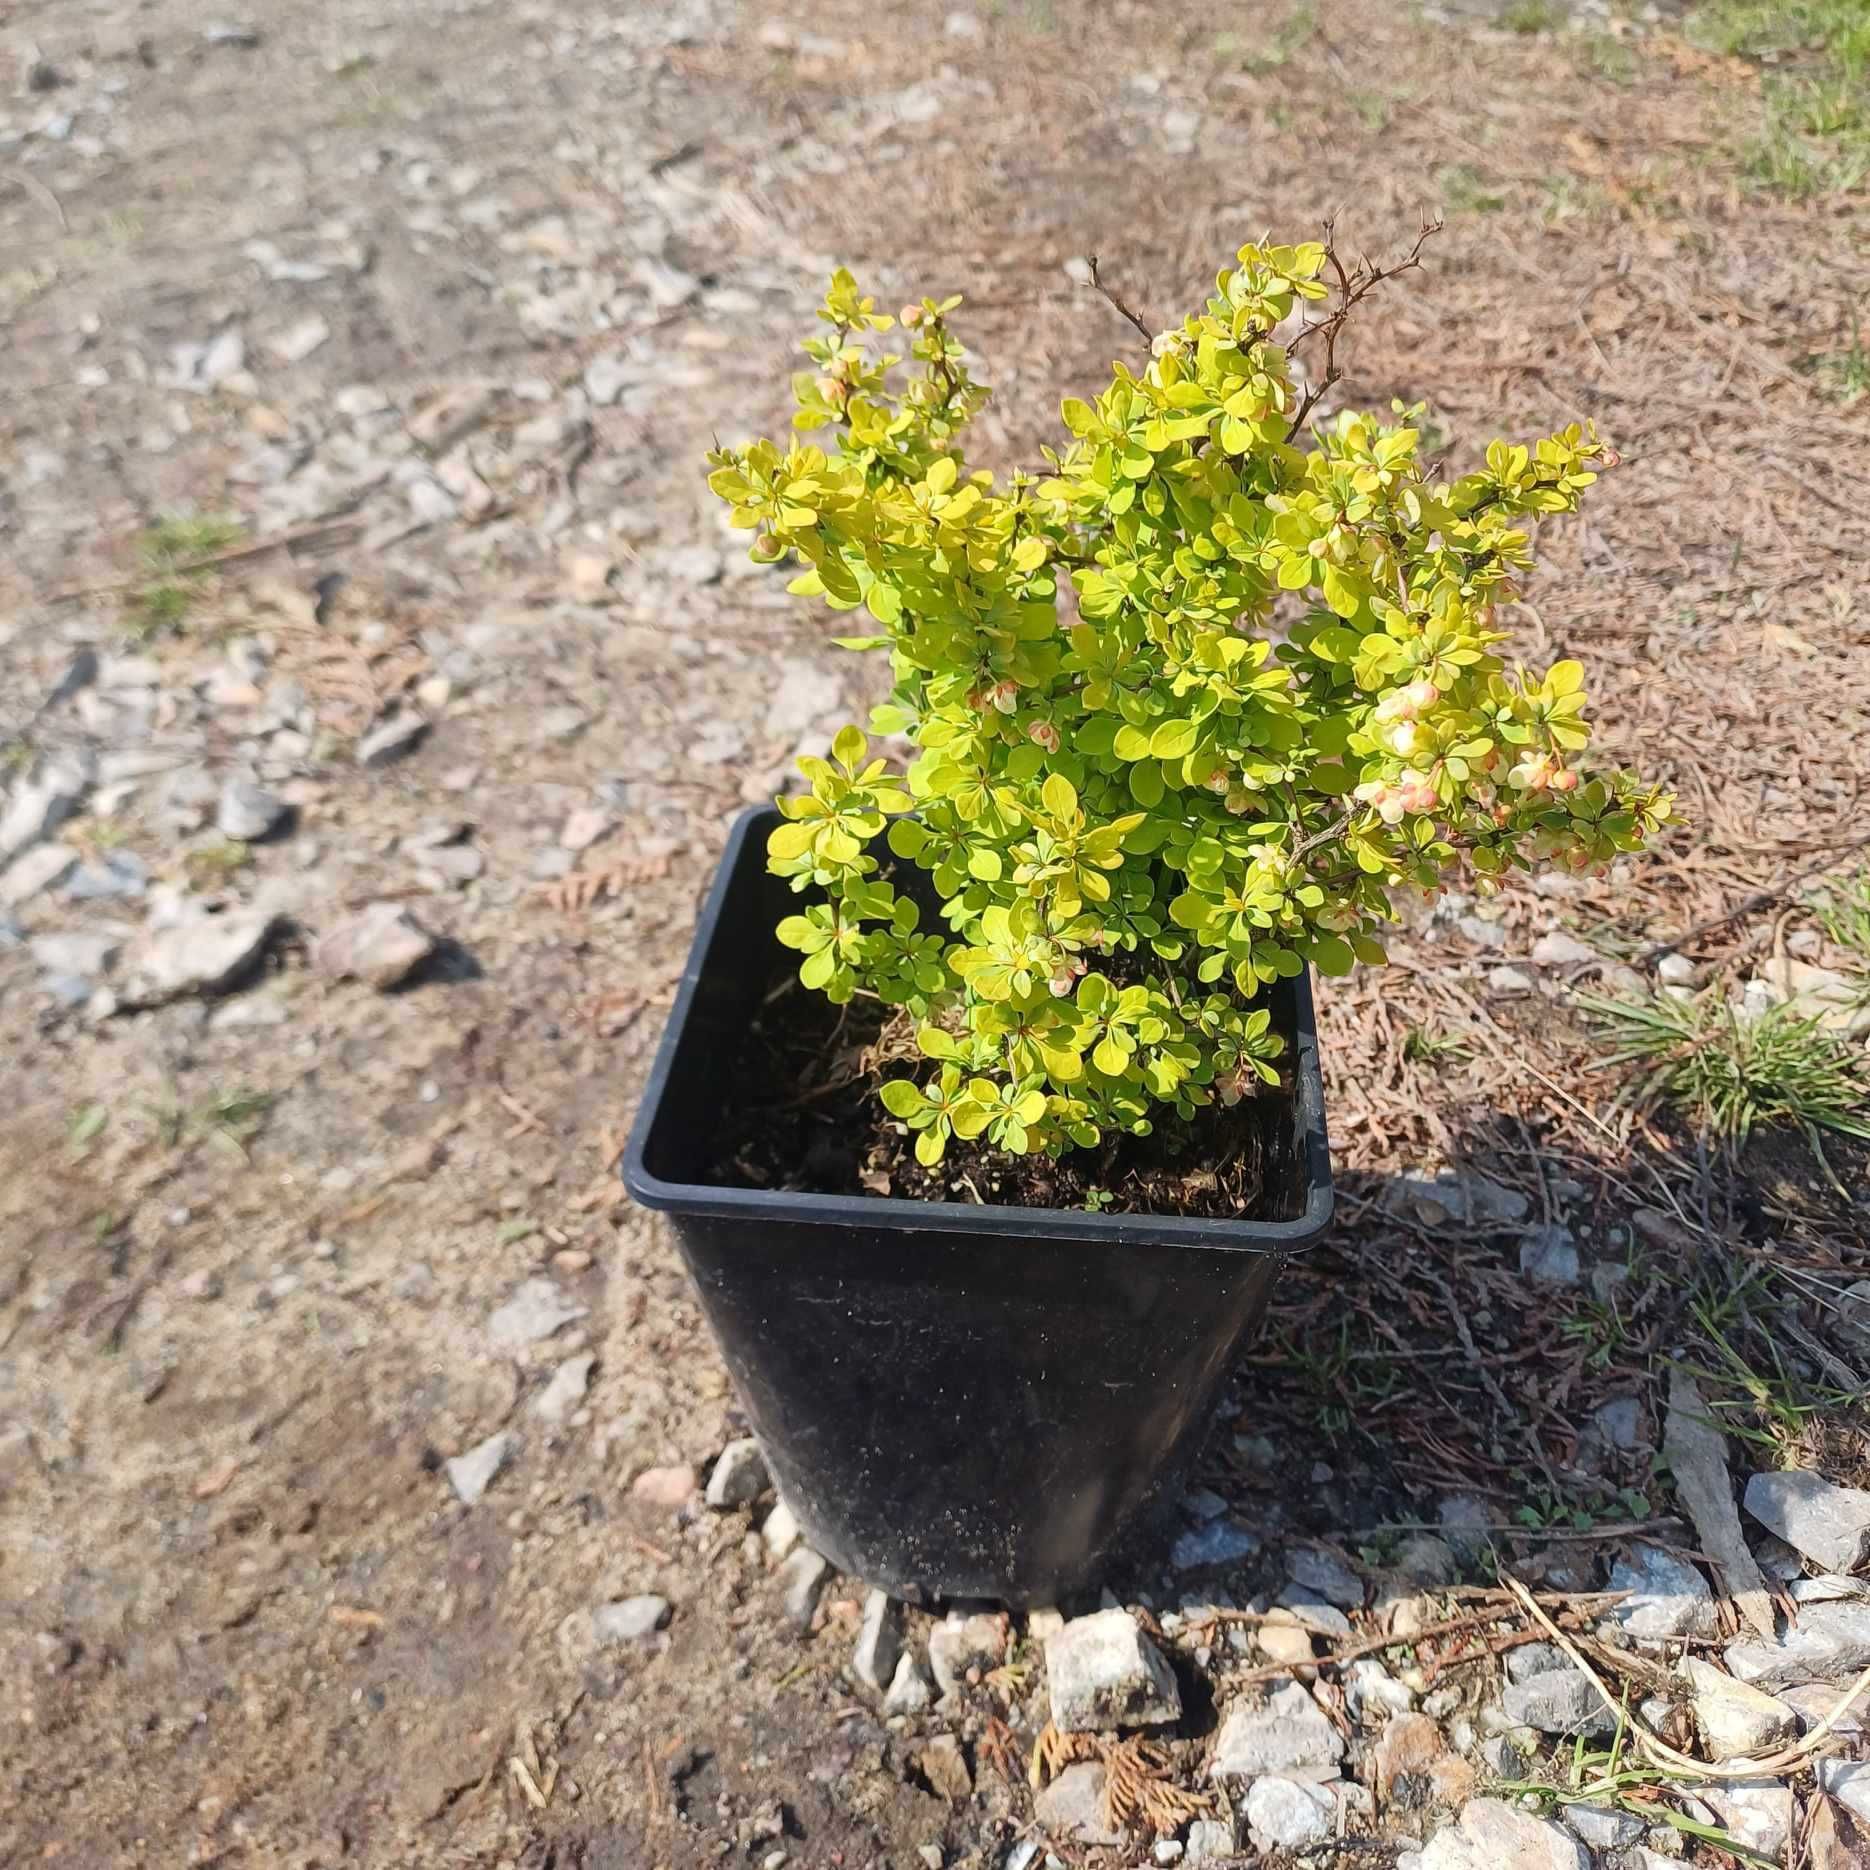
801	1113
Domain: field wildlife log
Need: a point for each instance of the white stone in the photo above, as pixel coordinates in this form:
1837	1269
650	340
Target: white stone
879	1642
202	953
1756	1813
801	1578
910	1690
739	1476
382	943
780	1530
1288	1814
566	1390
1493	1835
1105	1673
1736	1719
471	1474
1287	1732
1561	950
629	1620
34	870
1370	1688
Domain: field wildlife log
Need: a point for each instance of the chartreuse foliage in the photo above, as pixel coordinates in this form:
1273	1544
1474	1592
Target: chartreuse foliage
1189	708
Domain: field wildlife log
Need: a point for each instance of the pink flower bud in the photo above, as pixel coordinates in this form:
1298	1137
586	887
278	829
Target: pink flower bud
1043	734
1421	695
1564	780
911	315
1006	697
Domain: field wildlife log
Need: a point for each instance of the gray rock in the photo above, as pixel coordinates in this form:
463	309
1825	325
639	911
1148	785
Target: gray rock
1072	1806
739	1477
199	954
1472	1199
249	812
565	1392
1285	1733
1562	1702
801	1580
1424	1559
382	944
1208	1841
1847	1781
1514	982
1466	1524
1561	950
84	956
121	876
1814	1702
629	1620
1312	1612
1670	1598
1696	1453
1327	1574
536	1310
1493	1835
1736	1719
35	870
1755	1812
1619	1425
1675	970
1828	1523
692	564
964	1646
1104	1672
1548	1256
879	1641
1604	1830
1829	1643
1525	1660
471	1474
805	693
1289	1814
910	1690
391	740
1219	1542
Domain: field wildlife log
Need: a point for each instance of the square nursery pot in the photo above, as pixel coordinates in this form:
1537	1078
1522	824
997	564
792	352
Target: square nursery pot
956	1401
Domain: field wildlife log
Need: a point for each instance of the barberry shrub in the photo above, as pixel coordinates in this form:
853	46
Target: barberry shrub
1190	708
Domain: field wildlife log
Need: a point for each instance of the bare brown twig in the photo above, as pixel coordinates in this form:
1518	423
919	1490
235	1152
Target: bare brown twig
1148	335
1354	285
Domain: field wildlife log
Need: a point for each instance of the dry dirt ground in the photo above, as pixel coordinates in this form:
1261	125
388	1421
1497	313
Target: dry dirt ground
450	297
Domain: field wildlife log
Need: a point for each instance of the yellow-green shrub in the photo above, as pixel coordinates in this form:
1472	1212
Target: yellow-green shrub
1190	707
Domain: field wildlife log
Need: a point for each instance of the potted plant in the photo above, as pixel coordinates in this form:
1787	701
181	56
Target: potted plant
982	1193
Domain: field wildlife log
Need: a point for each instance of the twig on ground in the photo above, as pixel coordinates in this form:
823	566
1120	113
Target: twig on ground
253	548
1660	1753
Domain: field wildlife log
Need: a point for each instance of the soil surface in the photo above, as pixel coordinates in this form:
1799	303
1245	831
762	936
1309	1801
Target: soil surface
377	684
801	1112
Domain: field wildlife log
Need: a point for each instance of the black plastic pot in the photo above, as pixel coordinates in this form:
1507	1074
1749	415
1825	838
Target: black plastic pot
956	1401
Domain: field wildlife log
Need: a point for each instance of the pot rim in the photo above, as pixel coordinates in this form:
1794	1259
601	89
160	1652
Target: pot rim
649	1190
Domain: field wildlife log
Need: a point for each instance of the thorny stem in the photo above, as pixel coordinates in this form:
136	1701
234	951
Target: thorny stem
1148	335
1354	286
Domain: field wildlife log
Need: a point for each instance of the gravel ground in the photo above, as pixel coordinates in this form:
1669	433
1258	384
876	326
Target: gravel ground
377	686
